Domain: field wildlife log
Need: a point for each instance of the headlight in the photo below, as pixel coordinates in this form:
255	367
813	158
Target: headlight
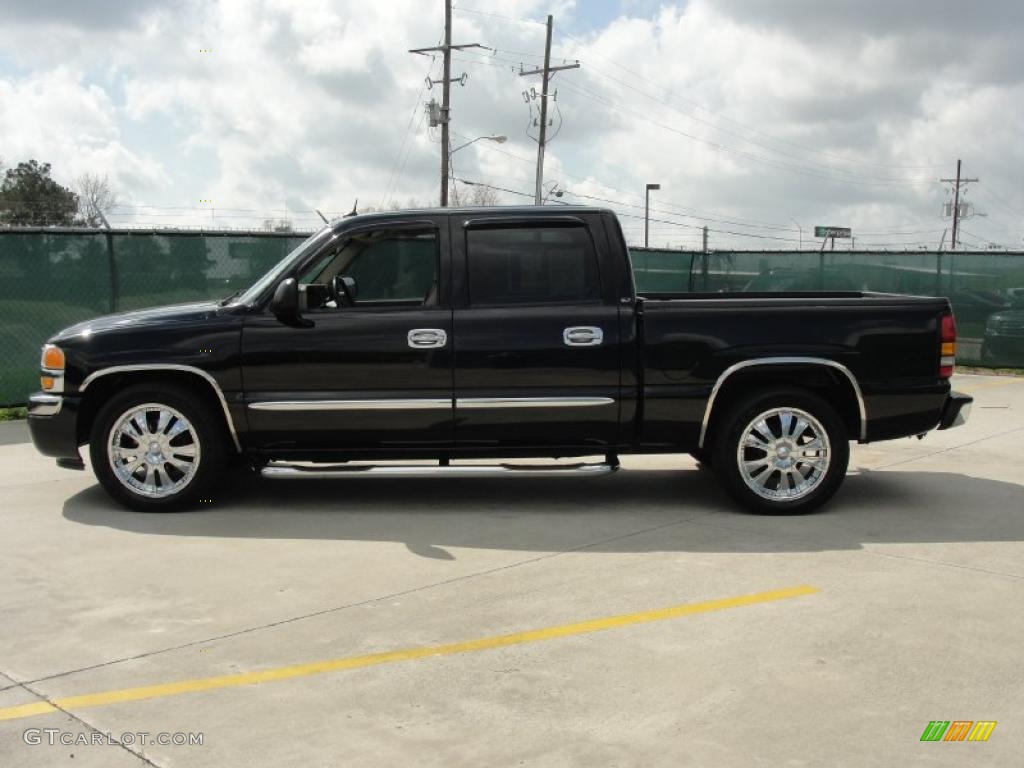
52	364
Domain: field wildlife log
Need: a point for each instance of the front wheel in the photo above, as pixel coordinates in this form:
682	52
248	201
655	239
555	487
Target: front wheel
782	452
157	448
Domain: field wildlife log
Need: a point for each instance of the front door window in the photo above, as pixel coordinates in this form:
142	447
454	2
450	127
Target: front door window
381	268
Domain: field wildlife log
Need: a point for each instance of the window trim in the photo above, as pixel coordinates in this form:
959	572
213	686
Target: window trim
346	235
519	222
532	222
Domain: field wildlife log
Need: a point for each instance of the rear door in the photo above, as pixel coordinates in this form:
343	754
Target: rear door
537	351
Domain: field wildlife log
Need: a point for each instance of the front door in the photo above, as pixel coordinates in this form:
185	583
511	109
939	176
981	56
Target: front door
368	366
537	335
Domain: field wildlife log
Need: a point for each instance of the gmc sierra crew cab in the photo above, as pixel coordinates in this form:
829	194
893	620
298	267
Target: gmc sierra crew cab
490	333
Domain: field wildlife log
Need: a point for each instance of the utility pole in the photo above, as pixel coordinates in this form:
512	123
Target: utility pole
547	72
446	91
704	246
446	81
957	183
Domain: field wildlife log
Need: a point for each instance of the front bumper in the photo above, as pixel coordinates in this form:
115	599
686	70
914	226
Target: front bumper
53	424
956	411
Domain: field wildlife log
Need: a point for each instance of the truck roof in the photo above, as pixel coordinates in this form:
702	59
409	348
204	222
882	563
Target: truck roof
518	210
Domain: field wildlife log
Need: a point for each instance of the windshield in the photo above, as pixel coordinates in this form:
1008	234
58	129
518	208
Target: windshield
275	273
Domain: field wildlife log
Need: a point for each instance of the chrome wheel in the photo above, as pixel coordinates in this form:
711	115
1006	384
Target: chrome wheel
153	450
783	454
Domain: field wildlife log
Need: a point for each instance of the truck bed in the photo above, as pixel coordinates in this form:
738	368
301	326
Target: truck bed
888	342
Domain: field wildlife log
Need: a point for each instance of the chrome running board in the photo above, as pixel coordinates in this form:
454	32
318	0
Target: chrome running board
282	471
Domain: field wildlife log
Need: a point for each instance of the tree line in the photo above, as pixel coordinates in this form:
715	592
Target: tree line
31	197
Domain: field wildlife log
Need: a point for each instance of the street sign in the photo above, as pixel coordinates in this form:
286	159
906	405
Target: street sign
832	232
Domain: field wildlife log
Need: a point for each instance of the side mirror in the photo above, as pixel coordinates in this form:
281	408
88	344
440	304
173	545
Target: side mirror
351	287
343	291
285	303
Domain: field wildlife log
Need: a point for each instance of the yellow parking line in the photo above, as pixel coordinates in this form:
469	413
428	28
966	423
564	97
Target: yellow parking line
354	662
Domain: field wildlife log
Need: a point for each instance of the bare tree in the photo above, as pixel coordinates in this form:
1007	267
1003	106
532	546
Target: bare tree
481	195
278	225
96	198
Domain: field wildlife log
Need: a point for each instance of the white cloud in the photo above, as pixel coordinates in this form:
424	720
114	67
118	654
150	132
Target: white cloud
745	116
56	117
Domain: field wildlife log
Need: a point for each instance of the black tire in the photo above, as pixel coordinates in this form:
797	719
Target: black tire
819	485
205	428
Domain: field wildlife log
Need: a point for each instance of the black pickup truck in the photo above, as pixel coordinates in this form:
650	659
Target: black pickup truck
455	334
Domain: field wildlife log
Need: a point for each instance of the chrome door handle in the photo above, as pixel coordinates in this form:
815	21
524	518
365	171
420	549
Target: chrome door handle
582	336
427	338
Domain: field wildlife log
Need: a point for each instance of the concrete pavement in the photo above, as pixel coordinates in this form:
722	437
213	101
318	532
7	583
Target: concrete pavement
918	567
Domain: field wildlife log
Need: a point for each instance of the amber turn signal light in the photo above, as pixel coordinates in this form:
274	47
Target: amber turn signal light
53	358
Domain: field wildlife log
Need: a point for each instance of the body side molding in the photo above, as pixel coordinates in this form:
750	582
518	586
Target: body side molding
395	404
531	402
171	367
785	361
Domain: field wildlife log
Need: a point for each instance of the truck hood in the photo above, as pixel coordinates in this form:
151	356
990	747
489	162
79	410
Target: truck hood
178	313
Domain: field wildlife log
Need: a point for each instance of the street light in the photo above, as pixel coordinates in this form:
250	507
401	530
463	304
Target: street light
495	139
451	166
801	229
647	207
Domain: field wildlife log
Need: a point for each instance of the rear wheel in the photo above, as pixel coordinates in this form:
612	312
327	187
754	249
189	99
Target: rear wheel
783	452
157	448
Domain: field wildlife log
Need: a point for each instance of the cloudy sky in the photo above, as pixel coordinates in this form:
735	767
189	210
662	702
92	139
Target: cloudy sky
757	118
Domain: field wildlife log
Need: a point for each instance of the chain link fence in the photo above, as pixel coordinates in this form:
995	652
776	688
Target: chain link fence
986	288
50	279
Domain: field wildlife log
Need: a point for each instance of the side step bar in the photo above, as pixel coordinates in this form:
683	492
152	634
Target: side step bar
281	471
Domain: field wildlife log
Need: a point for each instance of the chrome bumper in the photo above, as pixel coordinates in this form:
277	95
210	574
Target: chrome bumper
42	404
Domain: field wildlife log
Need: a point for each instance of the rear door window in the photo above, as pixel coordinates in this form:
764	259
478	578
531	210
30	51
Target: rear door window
531	265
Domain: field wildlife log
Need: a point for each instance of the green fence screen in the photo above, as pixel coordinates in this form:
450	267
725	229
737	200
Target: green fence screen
50	279
986	288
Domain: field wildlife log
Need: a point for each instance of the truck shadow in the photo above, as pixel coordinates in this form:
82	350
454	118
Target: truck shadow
632	511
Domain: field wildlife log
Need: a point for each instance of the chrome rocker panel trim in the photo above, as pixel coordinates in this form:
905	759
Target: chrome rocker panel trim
397	404
531	402
410	404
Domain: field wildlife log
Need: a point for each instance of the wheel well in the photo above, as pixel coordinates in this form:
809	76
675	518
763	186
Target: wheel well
824	381
103	388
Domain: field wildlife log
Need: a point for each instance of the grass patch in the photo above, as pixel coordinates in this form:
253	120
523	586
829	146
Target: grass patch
12	414
990	371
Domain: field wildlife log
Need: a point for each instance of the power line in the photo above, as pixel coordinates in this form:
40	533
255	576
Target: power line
492	15
746	127
957	183
702	108
546	72
665	204
446	80
771	162
637	216
392	178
